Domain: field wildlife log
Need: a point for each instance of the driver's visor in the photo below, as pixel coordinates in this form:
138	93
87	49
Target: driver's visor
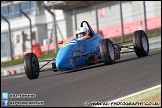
82	33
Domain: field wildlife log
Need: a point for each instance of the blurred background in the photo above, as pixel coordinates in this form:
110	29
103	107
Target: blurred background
36	26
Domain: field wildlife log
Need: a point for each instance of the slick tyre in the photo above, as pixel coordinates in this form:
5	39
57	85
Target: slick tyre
140	43
107	51
31	66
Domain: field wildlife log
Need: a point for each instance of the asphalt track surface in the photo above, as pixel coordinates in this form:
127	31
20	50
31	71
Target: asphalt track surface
128	75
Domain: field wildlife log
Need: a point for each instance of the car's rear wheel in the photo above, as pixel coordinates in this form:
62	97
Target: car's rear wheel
140	43
107	51
31	66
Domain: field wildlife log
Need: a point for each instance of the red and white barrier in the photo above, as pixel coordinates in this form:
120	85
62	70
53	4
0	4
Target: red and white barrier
12	72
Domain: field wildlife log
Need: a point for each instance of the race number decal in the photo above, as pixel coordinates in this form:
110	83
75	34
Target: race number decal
64	45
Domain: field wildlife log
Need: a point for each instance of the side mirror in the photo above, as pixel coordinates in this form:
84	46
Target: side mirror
87	37
60	42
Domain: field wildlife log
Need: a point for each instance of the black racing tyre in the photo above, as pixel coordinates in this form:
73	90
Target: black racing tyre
54	67
140	43
107	51
31	66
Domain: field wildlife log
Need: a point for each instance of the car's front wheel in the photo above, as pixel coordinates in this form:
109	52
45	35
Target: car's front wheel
31	66
107	51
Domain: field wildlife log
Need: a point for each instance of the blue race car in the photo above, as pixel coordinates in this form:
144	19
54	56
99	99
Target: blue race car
88	48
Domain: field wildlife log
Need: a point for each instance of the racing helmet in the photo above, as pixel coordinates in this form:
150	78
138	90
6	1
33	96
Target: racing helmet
81	32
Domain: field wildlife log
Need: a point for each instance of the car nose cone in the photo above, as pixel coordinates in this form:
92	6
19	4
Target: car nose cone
64	60
64	64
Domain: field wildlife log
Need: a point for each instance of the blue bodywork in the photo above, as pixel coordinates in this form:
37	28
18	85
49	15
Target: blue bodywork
78	52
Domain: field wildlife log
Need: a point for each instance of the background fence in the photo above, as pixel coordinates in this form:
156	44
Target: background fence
111	16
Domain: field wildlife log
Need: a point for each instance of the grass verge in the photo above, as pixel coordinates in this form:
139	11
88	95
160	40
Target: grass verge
151	98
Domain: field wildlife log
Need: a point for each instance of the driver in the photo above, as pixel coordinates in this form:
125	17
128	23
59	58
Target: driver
81	32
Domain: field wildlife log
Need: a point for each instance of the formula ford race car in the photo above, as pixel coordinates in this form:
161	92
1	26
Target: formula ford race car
88	50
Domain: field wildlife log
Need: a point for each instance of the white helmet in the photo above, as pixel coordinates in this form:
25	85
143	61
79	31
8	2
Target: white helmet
82	30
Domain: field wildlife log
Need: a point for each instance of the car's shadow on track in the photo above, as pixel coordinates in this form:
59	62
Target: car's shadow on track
98	65
136	58
126	60
72	71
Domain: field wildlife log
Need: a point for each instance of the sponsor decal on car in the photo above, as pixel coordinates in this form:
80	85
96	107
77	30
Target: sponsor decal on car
72	42
71	62
64	45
